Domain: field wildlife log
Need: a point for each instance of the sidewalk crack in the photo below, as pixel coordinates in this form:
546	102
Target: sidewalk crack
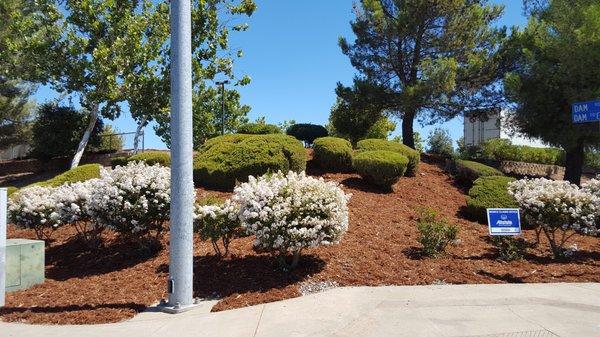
259	319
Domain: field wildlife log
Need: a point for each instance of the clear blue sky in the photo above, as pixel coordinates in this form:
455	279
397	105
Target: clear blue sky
292	56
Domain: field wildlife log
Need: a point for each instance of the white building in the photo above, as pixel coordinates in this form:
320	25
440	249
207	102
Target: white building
479	127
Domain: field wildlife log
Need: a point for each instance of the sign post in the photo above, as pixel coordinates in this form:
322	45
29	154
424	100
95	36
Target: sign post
504	221
3	215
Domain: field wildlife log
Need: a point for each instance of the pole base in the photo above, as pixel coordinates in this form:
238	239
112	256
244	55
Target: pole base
177	308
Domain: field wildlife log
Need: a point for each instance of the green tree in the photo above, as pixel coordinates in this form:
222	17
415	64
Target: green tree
430	59
382	129
16	112
557	65
418	141
440	142
57	130
206	122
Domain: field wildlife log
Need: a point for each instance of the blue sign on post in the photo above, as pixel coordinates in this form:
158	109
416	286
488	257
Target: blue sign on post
504	221
586	112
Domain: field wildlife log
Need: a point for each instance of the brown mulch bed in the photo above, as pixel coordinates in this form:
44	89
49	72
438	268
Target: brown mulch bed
380	248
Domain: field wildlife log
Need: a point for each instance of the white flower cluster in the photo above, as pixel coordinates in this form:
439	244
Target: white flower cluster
34	207
291	212
132	198
557	204
218	222
592	186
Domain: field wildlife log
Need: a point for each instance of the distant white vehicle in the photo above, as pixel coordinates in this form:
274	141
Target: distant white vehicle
480	126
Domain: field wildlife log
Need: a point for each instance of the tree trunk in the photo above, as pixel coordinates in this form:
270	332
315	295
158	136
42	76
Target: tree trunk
86	137
574	163
408	134
138	131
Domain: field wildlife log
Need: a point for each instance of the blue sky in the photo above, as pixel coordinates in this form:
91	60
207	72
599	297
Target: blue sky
292	56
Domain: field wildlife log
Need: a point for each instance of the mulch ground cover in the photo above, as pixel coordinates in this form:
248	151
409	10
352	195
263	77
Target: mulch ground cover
380	248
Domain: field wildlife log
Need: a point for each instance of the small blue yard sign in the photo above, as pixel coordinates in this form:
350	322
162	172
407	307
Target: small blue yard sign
504	221
586	112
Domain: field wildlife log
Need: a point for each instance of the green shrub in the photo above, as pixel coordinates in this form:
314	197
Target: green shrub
110	142
381	144
435	233
11	190
439	142
258	129
489	192
467	171
119	161
216	221
80	173
161	158
509	248
382	168
333	153
307	132
502	150
225	160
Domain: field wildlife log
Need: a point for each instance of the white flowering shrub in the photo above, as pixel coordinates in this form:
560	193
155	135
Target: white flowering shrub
35	208
73	206
133	200
290	212
218	222
592	186
557	207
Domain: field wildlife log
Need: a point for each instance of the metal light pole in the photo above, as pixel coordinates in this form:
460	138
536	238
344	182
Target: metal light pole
222	84
181	251
3	214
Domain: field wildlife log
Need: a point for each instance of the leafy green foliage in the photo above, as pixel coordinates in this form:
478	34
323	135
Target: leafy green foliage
77	174
161	158
467	171
501	149
424	69
413	156
418	141
440	142
510	248
435	233
258	129
15	113
109	141
119	161
333	153
228	159
489	192
56	131
353	115
382	129
556	64
382	168
11	190
307	132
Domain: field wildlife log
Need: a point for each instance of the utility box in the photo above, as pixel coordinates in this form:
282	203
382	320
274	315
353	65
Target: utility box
24	263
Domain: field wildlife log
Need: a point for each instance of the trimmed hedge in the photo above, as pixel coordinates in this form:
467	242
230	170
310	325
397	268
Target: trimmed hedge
413	156
489	192
469	171
119	161
258	129
225	160
11	190
502	149
333	153
80	173
161	158
307	132
382	168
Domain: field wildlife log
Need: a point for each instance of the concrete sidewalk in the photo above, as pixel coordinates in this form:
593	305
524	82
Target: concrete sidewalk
450	310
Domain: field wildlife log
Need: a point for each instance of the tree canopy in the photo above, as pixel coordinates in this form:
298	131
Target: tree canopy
556	66
430	59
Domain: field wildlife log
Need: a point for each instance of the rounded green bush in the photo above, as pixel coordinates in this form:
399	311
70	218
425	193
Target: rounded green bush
161	158
489	192
11	190
258	129
414	157
225	160
80	173
468	171
382	168
307	132
333	153
119	161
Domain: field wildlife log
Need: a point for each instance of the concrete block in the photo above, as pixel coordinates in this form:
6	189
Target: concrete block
24	263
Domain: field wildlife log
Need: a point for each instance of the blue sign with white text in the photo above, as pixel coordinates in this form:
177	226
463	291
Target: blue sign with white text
504	221
586	112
